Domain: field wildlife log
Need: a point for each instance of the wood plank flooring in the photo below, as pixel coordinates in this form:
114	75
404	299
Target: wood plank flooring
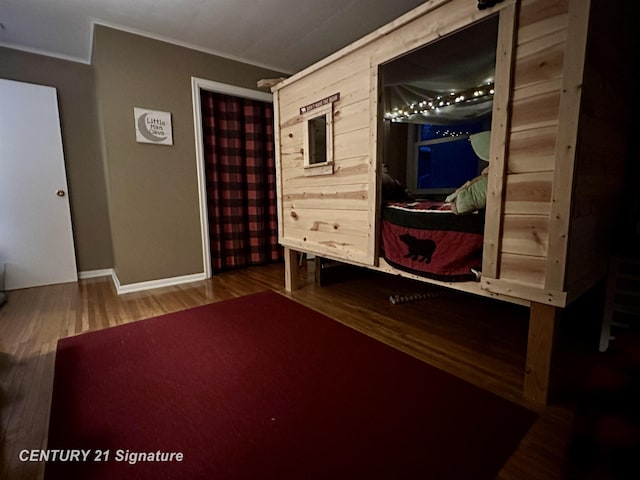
479	340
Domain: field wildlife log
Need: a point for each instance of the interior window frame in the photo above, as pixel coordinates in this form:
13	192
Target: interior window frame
318	168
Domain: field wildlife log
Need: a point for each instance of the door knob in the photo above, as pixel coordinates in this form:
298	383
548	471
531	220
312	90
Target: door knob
60	193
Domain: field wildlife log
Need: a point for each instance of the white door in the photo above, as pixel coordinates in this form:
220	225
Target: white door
36	240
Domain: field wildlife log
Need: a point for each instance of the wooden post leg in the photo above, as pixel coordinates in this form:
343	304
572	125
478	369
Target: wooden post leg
607	318
318	271
542	338
291	270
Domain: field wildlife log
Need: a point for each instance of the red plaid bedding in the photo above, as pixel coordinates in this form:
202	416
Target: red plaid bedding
427	239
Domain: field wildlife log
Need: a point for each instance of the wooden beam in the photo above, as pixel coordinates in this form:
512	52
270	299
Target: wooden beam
277	142
269	82
542	338
567	140
376	154
524	291
499	142
291	270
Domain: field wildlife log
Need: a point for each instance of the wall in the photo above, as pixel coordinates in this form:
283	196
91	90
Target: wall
85	174
535	126
328	214
531	153
604	148
152	189
335	215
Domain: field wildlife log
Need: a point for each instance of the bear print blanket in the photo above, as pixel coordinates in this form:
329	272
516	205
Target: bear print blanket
427	239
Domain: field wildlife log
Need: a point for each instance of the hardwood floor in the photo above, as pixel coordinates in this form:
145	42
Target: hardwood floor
479	340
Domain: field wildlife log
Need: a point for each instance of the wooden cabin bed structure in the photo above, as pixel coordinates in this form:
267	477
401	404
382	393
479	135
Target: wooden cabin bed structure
558	142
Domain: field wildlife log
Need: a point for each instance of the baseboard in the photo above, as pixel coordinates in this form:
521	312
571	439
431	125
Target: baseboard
161	282
106	272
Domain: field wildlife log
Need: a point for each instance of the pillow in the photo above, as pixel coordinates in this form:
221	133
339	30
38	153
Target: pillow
469	197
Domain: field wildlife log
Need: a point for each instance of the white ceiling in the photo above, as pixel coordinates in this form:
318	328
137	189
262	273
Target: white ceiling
284	35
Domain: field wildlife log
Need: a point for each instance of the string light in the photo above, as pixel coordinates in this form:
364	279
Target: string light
426	107
449	133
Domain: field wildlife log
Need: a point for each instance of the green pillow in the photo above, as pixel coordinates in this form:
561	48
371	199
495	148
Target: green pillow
470	197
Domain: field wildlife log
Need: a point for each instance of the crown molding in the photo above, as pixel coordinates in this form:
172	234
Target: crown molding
45	53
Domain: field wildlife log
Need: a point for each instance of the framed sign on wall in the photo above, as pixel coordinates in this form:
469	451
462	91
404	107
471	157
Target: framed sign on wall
153	126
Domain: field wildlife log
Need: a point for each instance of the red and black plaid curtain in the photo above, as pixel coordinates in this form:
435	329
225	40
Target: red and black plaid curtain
241	181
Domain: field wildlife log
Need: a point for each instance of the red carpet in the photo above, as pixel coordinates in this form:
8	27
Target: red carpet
260	387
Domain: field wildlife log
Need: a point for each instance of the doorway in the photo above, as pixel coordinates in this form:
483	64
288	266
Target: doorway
236	175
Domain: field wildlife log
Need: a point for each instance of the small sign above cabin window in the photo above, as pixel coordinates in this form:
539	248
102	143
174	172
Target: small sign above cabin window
153	126
320	103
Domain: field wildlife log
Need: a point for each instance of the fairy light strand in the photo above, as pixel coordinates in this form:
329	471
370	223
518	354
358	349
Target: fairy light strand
473	95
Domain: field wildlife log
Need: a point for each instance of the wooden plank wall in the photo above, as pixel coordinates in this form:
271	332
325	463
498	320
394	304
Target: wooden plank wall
603	144
328	214
334	215
530	156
